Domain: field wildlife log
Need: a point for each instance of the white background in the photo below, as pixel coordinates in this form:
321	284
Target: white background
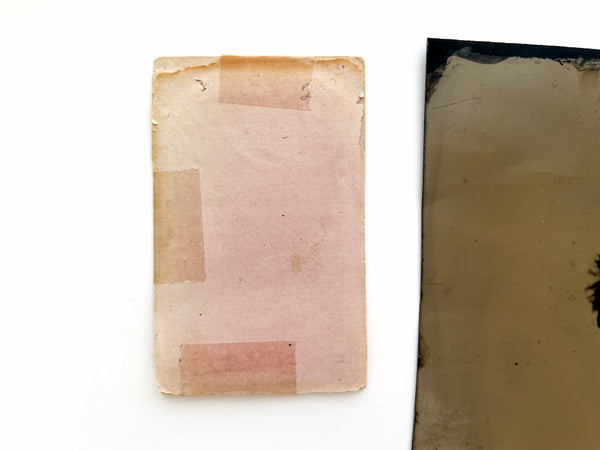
76	211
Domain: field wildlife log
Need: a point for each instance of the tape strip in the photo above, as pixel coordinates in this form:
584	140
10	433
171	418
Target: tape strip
178	236
242	367
276	82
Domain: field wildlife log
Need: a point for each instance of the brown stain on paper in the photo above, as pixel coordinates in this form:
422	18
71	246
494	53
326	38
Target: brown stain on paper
178	236
310	260
276	82
238	367
297	262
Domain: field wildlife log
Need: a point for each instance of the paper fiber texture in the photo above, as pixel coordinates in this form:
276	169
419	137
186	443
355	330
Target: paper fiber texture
509	351
259	224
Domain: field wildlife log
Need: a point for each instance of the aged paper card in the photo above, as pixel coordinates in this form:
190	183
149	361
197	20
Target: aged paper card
259	224
509	351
